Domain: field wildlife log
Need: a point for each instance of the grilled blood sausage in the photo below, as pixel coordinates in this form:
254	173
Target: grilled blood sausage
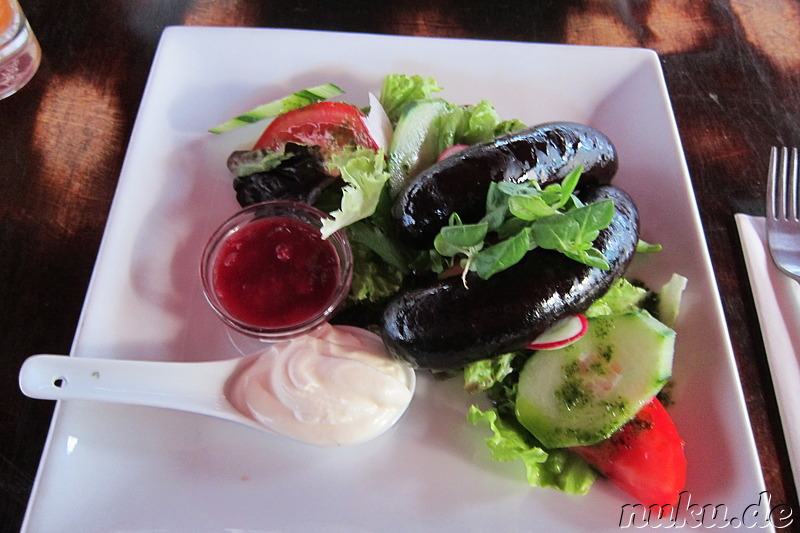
459	184
446	326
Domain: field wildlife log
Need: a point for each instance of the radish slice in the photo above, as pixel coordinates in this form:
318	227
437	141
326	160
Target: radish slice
563	333
378	124
451	150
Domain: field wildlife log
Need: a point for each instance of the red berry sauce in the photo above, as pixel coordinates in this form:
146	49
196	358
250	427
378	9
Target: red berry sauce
276	273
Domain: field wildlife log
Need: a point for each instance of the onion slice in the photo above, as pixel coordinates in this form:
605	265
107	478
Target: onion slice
378	124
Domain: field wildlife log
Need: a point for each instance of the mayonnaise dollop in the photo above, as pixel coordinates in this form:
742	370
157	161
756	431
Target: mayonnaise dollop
332	387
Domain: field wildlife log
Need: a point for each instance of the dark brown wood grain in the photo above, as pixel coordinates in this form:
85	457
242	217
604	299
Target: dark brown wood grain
732	69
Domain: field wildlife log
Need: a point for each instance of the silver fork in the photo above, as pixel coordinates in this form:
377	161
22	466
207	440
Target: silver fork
783	211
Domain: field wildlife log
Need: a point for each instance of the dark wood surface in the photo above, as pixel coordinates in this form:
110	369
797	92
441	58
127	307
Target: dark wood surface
732	69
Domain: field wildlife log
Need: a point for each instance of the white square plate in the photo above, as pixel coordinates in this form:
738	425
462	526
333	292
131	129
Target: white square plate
118	468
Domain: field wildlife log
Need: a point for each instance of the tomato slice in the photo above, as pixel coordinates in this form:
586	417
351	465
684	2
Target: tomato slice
329	125
644	458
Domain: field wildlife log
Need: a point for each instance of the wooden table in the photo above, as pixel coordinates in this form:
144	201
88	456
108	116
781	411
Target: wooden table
732	68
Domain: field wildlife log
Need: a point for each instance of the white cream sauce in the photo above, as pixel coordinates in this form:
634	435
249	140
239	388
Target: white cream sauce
332	387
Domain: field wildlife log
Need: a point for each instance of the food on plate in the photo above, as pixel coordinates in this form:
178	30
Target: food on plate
333	387
297	174
268	271
280	106
276	272
459	184
329	125
645	458
449	324
585	392
291	160
513	385
496	251
415	144
562	333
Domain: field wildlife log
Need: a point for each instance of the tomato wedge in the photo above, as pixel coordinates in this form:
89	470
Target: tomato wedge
644	458
329	125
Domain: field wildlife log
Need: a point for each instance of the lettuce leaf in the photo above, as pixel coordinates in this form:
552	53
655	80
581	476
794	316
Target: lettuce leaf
400	89
510	441
374	280
482	375
621	297
364	173
472	125
544	468
371	236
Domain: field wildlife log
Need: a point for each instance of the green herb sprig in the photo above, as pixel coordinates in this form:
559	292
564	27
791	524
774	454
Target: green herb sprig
524	216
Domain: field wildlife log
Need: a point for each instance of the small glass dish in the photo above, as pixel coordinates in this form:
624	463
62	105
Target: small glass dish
267	272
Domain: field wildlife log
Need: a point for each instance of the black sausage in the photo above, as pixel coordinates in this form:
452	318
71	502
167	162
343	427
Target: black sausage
545	153
446	326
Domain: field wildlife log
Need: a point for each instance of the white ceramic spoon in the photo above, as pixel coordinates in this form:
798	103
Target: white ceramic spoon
193	387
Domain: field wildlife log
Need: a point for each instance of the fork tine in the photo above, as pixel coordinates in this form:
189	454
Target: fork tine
782	180
772	197
792	196
779	175
783	210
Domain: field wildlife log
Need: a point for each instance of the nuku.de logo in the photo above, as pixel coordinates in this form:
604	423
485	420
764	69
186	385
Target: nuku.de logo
685	513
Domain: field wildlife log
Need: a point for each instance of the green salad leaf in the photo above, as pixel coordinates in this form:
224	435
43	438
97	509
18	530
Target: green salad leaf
573	232
400	89
544	468
482	375
644	247
374	279
460	238
472	124
364	173
245	163
524	216
373	237
622	297
502	255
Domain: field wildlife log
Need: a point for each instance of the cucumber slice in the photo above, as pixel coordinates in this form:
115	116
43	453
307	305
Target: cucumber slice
414	145
280	106
584	392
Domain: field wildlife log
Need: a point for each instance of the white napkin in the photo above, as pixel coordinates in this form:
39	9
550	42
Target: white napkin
777	299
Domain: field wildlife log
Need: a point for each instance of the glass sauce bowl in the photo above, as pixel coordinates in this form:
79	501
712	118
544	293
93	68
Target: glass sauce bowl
267	272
